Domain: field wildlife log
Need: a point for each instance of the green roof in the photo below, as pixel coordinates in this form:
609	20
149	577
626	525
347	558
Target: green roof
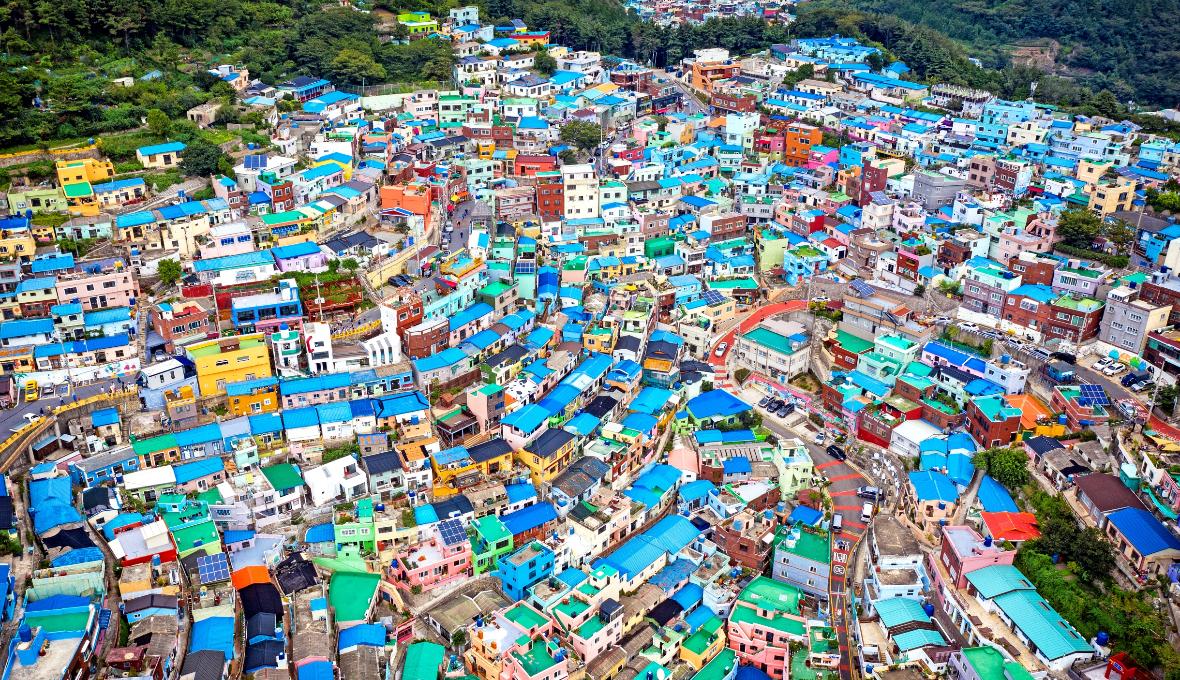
770	340
719	667
995	408
210	496
997	579
350	593
491	528
896	341
852	343
423	661
494	288
197	535
147	446
591	627
525	617
989	664
775	596
809	545
536	659
573	609
283	476
1083	305
699	641
782	624
51	621
78	189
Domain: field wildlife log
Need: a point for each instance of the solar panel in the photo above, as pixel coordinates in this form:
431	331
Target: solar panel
1094	395
452	531
212	568
256	162
713	297
861	288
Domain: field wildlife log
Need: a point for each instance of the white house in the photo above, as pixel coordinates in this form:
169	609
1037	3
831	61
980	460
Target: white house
342	479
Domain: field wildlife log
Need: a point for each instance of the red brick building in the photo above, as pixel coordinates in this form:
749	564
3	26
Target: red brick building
426	339
528	165
550	197
992	420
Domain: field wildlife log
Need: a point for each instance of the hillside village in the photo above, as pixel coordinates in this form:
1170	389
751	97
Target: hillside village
785	365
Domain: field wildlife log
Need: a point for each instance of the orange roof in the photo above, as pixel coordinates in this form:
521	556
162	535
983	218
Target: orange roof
1031	409
1011	526
248	576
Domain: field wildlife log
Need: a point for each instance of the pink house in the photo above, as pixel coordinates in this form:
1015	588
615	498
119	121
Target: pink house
964	551
821	155
300	257
432	563
98	285
232	238
765	619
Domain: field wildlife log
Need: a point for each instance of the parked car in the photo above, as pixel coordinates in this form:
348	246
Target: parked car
721	349
836	452
1143	386
1065	356
969	325
764	401
821	298
870	492
1103	363
819	439
1114	369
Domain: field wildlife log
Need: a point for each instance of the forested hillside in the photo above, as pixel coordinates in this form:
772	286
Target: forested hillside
1126	46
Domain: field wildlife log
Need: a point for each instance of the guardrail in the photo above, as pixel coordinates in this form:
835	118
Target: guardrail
11	447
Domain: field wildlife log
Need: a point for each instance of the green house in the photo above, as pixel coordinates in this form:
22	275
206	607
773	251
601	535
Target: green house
491	540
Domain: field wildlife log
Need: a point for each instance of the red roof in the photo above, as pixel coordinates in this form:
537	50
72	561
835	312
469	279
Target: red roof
832	243
1011	526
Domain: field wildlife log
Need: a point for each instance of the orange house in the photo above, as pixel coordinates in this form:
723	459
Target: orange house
532	38
250	397
799	138
705	74
413	198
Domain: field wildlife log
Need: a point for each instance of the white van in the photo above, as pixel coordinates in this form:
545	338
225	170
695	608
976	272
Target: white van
866	513
837	523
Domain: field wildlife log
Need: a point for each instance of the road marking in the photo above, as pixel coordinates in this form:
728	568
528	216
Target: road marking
850	492
856	525
830	463
846	507
850	475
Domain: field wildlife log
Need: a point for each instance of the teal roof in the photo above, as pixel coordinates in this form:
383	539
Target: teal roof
1042	625
998	579
900	611
921	637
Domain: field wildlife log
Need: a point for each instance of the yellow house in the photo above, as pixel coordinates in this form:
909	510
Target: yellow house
549	454
459	467
222	361
599	339
17	243
77	179
1110	197
84	170
702	646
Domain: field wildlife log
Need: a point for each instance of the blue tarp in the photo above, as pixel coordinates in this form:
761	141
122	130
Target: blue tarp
216	634
51	504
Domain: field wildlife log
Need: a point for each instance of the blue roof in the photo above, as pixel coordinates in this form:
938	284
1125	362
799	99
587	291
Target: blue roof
320	533
1143	531
716	404
237	535
527	419
529	517
934	486
166	147
368	634
447	357
520	492
295	250
102	317
994	497
50	263
736	466
215	633
255	258
104	417
805	515
36	284
51	504
135	219
198	468
690	595
1036	291
697	489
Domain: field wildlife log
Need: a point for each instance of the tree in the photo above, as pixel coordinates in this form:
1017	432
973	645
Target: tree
354	66
1008	466
544	63
158	122
568	156
582	134
1078	228
201	159
169	271
920	290
1121	235
350	264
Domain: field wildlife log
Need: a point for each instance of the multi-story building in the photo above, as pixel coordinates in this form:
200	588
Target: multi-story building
766	618
777	349
441	558
802	558
222	361
1127	319
530	564
98	285
580	191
